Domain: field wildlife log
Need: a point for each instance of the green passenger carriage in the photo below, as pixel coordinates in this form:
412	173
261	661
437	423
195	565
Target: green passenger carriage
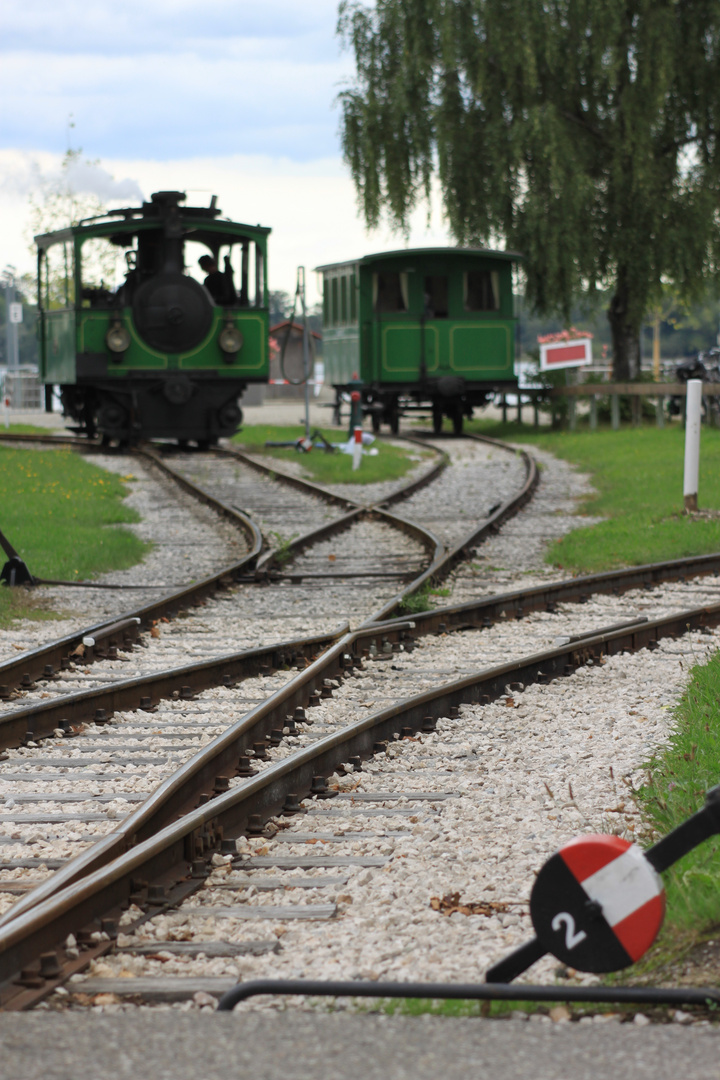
156	352
426	327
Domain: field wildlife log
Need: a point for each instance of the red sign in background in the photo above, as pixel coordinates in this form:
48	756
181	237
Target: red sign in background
560	354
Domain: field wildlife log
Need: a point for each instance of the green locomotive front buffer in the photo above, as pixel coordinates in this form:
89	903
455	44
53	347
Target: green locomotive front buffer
159	354
431	326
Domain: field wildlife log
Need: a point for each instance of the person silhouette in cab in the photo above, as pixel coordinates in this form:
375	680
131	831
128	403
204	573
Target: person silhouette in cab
219	284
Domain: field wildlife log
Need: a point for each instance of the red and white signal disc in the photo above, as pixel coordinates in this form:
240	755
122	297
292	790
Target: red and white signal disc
598	903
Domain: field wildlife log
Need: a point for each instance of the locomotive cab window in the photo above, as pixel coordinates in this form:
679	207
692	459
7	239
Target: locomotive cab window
436	296
57	279
482	290
104	272
390	292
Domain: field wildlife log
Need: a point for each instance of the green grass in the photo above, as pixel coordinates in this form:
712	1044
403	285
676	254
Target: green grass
61	514
391	462
458	1007
638	475
26	429
422	600
679	776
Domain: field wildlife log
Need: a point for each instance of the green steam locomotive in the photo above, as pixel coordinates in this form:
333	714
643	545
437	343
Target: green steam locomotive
156	353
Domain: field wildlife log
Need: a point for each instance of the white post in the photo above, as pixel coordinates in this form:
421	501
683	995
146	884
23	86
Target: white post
692	443
357	448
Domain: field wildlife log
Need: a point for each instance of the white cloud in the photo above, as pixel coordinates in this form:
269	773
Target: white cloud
310	206
86	178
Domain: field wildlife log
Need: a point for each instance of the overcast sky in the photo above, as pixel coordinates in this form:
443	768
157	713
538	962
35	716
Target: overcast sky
230	98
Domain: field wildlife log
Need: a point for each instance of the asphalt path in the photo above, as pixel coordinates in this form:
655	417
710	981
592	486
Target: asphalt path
170	1045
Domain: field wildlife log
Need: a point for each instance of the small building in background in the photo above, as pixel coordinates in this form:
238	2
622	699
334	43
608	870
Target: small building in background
292	333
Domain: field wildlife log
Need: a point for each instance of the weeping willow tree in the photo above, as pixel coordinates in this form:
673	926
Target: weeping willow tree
582	132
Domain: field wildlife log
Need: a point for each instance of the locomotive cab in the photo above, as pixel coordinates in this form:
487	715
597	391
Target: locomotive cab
139	346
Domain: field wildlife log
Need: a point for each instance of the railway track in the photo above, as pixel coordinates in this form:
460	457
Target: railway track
146	864
65	714
158	872
274	499
51	668
40	715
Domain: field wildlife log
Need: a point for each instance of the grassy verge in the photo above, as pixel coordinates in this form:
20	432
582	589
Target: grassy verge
638	475
26	429
391	462
56	509
679	776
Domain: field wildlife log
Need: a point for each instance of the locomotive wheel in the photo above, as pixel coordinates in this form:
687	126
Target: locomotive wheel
376	421
437	418
394	421
456	415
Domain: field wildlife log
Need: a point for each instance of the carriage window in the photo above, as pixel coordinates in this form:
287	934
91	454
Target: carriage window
390	292
335	307
326	302
436	297
353	299
343	299
482	290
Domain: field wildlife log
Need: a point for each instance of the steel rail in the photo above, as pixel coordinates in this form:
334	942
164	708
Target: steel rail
50	440
273	473
35	721
331	528
403	492
609	995
521	602
473	614
46	660
197	778
40	719
21	671
171	855
86	702
356	510
441	567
